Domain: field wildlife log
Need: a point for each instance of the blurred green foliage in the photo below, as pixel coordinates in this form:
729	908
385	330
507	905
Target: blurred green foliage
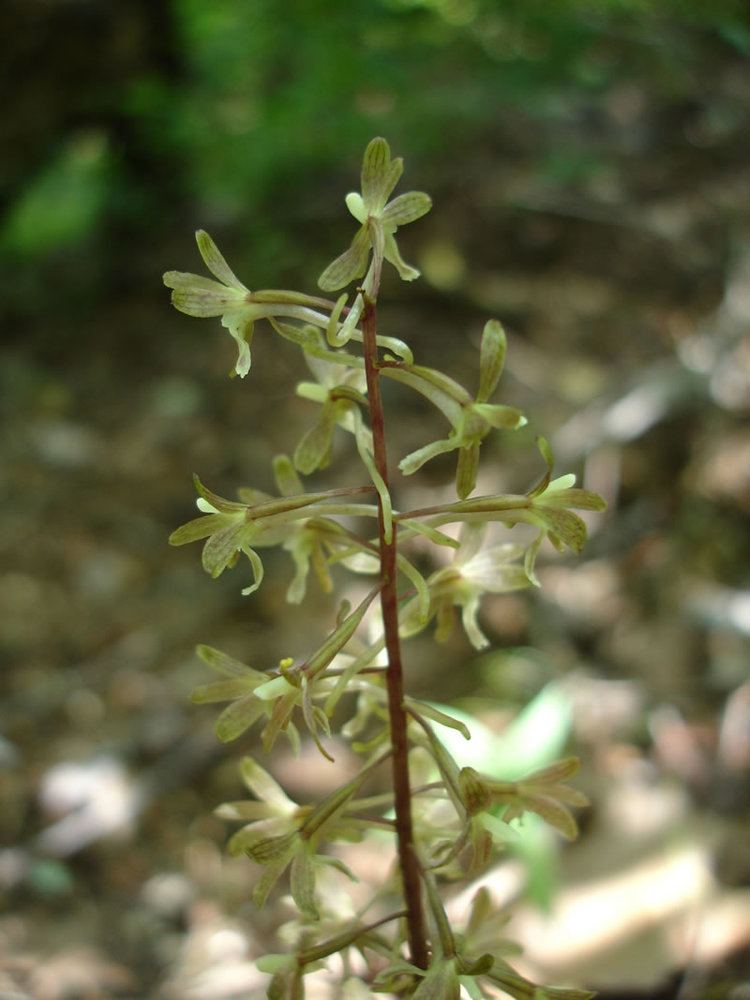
240	101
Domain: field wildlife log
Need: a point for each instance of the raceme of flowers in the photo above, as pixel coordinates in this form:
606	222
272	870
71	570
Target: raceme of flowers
464	818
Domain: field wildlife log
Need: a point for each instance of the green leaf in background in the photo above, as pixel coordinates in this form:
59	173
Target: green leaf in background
62	205
536	737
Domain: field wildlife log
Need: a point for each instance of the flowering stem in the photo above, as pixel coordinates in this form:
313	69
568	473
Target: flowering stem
408	860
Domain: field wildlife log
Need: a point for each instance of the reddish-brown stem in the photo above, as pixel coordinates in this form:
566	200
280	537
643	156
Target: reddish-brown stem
408	860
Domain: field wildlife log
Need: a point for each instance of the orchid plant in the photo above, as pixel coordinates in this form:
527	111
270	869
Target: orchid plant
401	941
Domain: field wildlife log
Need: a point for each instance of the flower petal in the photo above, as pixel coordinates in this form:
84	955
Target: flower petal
221	546
491	358
251	811
267	789
417	459
379	176
239	716
226	665
218	503
184	281
203	302
466	470
506	418
573	497
313	450
406	208
257	565
350	265
302	882
199	527
356	206
470	623
241	329
274	869
285	475
215	261
391	254
226	690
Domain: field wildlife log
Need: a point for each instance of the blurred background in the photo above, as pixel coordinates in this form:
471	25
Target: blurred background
588	161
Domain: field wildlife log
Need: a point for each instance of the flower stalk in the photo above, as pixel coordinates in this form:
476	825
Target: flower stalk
409	863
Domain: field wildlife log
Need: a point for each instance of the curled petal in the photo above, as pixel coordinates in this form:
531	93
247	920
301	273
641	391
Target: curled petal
240	326
392	255
346	331
546	452
470	623
529	562
257	565
414	461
